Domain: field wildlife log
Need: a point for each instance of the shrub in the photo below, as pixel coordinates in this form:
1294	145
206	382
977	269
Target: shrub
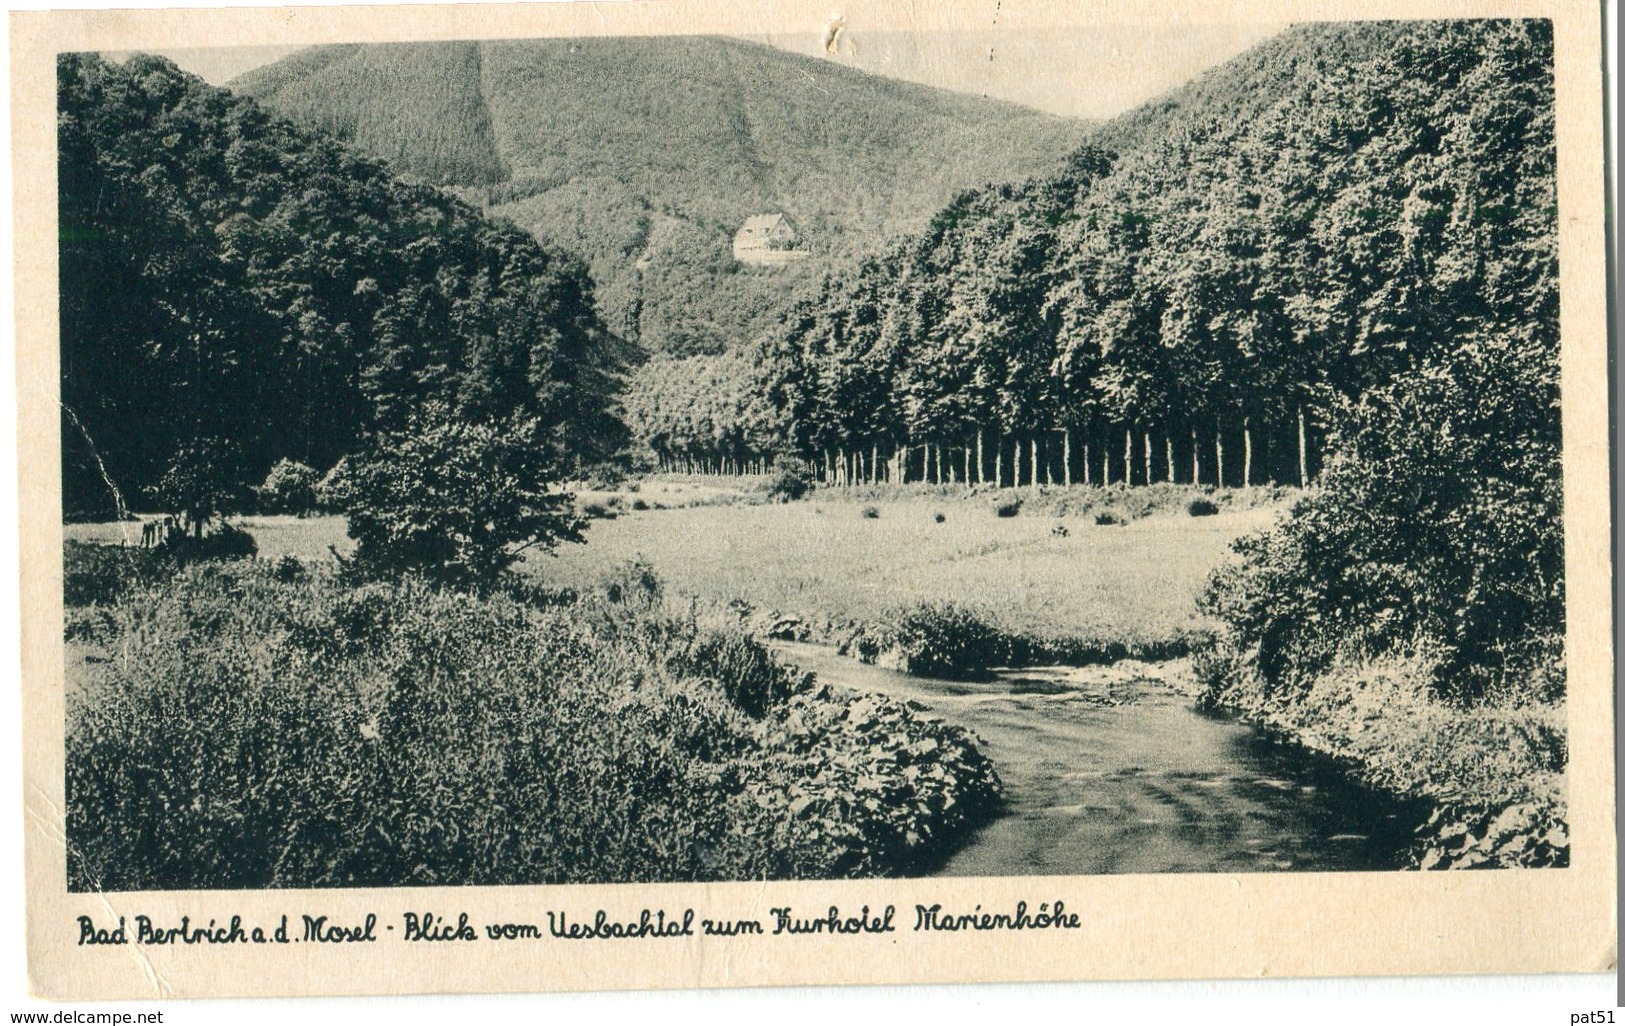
792	479
1110	517
328	492
640	504
891	791
741	667
603	477
290	487
633	583
938	517
941	639
224	542
98	574
89	624
1007	508
870	512
1202	508
527	591
1134	503
458	502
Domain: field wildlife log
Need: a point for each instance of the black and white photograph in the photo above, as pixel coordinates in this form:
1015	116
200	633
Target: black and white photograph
833	452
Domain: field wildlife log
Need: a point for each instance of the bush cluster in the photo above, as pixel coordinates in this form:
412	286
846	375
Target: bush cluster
224	542
252	730
942	639
604	476
93	573
874	787
97	574
792	479
1438	522
290	487
1435	540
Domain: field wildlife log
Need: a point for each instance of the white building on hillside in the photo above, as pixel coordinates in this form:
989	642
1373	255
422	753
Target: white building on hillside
767	240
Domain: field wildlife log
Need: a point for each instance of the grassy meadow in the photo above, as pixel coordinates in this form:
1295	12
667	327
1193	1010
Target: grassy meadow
860	556
300	730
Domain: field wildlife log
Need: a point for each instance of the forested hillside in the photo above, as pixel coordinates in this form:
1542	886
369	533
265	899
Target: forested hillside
644	156
1331	210
234	285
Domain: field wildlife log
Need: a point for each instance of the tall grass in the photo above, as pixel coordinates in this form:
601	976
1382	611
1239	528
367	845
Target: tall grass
248	728
1492	768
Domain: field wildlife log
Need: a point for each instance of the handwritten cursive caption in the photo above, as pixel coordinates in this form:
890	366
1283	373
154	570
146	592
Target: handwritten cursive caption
602	925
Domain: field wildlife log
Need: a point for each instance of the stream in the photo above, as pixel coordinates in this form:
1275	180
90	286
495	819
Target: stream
1110	769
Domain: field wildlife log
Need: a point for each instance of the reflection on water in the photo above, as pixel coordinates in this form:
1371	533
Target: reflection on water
1111	770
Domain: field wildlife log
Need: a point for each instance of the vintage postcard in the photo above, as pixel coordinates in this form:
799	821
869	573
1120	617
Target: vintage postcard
666	494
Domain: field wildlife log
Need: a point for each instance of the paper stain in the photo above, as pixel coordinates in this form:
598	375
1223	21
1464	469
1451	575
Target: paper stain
832	34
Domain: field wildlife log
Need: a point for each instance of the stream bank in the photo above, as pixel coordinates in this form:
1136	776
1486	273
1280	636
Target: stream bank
1110	769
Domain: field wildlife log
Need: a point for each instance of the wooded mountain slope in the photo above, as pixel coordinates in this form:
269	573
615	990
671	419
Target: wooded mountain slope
233	283
645	156
1388	195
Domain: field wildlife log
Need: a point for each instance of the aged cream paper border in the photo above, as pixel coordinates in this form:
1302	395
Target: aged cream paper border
1133	927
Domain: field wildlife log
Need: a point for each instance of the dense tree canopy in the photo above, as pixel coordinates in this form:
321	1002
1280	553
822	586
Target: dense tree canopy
1330	211
227	277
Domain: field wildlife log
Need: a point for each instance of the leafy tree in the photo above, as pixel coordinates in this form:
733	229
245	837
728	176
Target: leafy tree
456	501
1439	523
202	481
290	487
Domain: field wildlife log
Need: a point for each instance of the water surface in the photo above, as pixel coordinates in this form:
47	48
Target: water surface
1112	770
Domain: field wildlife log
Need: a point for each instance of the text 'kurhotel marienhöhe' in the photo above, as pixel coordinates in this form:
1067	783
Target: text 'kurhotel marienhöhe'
926	918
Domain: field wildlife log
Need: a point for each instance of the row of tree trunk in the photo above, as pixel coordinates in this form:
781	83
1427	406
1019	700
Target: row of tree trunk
722	466
1239	454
